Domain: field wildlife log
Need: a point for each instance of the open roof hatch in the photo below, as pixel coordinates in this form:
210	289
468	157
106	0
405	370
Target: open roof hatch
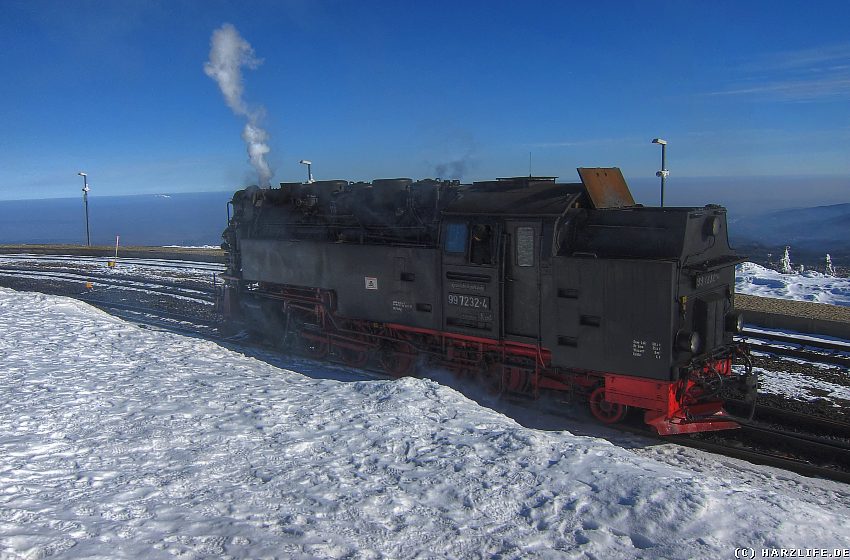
606	187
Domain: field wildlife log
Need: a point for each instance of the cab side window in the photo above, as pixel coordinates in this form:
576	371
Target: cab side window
456	235
525	246
481	248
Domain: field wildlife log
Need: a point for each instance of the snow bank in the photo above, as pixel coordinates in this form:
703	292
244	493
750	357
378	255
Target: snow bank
116	441
756	280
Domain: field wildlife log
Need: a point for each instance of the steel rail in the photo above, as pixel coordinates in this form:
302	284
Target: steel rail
790	339
840	350
760	458
807	355
814	423
146	310
109	278
152	263
146	285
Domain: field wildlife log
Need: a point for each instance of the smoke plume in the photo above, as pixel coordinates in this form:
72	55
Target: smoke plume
452	169
229	52
462	146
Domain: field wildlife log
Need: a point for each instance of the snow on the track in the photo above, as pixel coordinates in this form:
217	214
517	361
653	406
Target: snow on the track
116	441
756	280
802	387
157	268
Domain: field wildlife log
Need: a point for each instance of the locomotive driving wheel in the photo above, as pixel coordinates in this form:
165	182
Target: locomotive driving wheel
604	411
397	364
353	358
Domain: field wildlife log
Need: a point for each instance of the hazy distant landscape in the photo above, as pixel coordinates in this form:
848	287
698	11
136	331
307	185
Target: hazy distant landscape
153	219
199	218
810	232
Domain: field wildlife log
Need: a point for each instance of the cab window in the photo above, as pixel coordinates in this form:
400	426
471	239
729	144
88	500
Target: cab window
456	235
525	246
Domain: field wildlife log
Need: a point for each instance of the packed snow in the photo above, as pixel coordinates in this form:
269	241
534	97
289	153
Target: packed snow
122	442
809	285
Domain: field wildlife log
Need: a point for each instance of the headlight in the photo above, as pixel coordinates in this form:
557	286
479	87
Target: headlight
734	323
688	341
712	226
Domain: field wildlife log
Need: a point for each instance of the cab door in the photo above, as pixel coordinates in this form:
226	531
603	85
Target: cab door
470	276
522	279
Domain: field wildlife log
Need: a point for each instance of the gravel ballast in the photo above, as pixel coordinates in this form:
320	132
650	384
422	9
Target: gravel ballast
793	308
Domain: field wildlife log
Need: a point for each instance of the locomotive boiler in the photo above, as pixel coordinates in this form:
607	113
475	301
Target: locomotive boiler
526	285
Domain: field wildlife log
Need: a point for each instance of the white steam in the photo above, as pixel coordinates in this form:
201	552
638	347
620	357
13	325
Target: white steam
255	138
229	52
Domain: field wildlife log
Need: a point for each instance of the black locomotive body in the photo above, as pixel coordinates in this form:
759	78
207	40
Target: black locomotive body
526	284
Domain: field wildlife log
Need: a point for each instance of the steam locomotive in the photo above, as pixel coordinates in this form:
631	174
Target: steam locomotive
526	285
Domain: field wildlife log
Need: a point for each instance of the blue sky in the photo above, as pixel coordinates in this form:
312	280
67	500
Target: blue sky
741	90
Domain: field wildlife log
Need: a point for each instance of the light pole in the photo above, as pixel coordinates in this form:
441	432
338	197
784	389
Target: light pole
308	163
86	203
663	173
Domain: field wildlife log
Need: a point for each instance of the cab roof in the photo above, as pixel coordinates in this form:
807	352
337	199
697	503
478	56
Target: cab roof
600	188
517	196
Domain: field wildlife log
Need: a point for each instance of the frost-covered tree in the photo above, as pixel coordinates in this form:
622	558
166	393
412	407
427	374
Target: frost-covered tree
830	270
785	262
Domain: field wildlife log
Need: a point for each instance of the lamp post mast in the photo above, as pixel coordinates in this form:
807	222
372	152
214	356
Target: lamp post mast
309	164
663	173
86	204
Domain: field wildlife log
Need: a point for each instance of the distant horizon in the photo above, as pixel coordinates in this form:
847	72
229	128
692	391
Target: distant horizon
828	190
200	218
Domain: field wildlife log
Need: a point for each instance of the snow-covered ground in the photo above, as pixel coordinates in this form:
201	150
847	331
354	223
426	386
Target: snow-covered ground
753	279
154	270
756	280
116	441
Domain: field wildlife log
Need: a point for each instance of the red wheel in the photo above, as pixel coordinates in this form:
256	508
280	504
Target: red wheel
397	364
604	411
314	348
353	358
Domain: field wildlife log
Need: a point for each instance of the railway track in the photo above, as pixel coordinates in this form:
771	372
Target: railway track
804	347
99	281
148	263
157	317
796	442
789	461
802	443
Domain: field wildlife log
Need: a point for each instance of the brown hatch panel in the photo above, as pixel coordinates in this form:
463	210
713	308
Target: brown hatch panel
606	187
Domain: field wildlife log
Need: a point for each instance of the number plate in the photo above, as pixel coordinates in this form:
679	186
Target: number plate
464	300
706	280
